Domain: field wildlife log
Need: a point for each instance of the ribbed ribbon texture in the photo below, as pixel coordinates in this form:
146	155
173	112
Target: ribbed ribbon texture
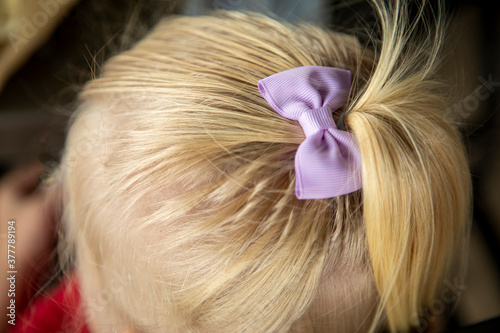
327	163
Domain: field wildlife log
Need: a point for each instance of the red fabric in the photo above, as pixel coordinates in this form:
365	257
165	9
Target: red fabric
56	312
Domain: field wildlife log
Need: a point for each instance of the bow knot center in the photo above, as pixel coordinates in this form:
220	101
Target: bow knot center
314	120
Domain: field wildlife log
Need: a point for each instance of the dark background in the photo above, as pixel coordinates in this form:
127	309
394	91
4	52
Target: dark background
37	100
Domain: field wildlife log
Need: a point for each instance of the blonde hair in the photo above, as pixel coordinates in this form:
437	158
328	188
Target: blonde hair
179	181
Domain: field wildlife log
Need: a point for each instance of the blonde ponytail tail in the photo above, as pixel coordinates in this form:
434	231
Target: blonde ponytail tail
416	187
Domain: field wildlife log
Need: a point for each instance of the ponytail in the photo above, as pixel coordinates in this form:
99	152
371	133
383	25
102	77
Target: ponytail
416	186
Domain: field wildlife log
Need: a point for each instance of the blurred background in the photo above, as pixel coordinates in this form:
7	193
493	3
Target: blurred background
50	48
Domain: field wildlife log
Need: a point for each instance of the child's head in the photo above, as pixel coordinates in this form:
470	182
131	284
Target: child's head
180	186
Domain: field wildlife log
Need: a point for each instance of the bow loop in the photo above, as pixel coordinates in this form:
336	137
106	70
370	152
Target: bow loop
318	86
327	163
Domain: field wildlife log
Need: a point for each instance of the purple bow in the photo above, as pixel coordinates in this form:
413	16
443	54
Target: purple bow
327	163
